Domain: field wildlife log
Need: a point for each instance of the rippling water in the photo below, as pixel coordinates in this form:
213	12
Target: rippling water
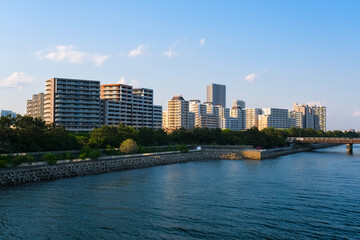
301	196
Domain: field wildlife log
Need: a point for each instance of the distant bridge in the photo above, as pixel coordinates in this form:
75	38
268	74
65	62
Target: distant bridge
348	141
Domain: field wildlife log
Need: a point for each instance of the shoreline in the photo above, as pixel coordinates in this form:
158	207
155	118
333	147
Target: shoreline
65	169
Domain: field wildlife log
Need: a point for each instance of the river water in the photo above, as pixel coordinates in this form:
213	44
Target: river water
312	195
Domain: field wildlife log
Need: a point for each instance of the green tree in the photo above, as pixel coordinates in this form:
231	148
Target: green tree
129	146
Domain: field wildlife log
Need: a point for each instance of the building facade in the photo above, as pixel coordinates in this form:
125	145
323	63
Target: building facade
320	111
130	106
177	114
216	94
5	113
275	118
35	106
72	103
313	116
296	119
252	117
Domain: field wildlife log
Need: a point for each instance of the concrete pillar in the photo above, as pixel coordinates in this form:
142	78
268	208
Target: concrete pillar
349	147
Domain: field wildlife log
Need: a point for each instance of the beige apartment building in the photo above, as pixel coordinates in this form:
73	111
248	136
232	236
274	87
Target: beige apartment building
177	114
252	117
35	106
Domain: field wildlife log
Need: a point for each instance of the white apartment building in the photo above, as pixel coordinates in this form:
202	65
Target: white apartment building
274	117
313	116
130	106
205	115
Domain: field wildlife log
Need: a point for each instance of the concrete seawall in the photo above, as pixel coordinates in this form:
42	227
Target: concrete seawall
20	175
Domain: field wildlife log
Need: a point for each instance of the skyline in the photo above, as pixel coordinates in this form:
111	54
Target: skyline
269	54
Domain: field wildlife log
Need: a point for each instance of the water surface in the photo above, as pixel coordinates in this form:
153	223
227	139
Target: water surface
312	195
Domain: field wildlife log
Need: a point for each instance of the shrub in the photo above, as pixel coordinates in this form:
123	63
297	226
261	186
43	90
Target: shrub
68	155
22	159
141	149
171	148
86	150
128	146
110	150
82	156
3	164
183	148
94	154
50	158
5	158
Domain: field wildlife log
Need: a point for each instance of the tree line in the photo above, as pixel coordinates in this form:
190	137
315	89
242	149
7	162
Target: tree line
27	134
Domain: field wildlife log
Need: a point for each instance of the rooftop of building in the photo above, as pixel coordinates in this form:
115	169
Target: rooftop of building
178	97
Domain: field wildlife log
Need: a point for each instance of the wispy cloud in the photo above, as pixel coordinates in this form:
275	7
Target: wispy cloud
318	103
356	113
140	50
251	77
16	80
70	54
170	53
133	82
173	49
202	41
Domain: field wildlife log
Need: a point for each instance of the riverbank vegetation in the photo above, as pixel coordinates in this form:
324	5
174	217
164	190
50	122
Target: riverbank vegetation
27	134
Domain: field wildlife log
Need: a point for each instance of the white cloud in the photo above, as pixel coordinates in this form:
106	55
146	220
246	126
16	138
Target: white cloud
170	53
318	103
99	60
70	54
356	113
140	50
202	41
16	80
133	83
251	77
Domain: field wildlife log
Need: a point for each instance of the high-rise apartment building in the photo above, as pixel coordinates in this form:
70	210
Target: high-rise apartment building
35	106
72	103
216	94
313	116
239	103
130	106
296	119
177	115
275	118
252	117
320	111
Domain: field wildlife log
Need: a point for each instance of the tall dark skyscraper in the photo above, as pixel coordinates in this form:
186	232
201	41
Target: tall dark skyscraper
216	94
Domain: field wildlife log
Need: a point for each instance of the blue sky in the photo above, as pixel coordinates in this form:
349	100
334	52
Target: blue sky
267	53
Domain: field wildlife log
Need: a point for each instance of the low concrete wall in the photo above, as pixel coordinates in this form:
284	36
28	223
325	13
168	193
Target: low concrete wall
20	175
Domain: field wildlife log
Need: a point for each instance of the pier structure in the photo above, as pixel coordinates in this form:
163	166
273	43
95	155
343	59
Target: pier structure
348	141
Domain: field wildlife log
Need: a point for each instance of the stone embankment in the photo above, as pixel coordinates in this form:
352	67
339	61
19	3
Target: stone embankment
67	168
20	175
